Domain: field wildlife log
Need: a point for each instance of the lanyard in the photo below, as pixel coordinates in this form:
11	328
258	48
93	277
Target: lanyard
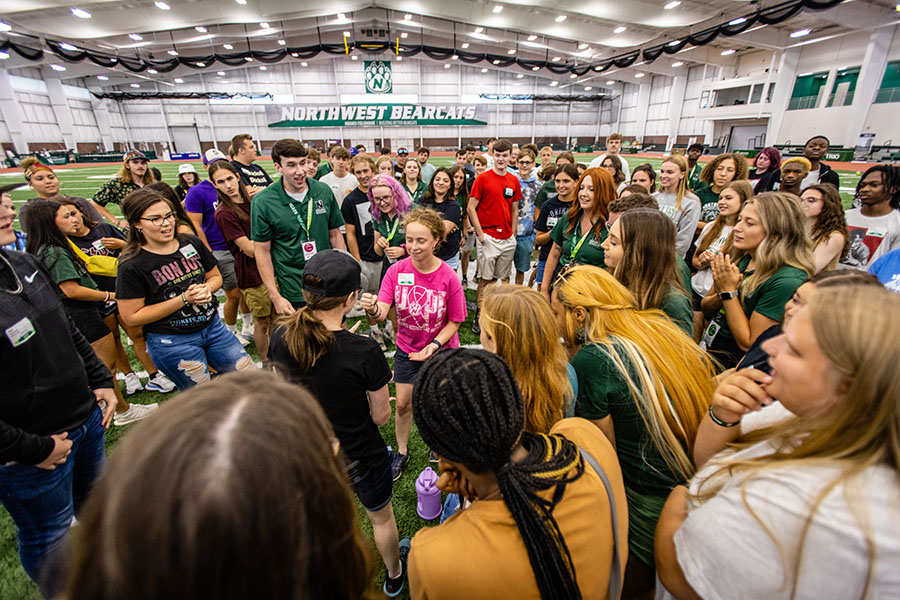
577	246
393	229
309	209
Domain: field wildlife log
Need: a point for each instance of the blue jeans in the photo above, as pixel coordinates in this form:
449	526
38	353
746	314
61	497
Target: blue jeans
42	502
185	357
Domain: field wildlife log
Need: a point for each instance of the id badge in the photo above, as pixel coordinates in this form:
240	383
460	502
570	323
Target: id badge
406	279
189	251
309	249
98	245
709	335
507	192
20	333
552	221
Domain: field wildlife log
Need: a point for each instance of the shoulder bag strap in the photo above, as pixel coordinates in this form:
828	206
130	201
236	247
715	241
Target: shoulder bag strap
615	574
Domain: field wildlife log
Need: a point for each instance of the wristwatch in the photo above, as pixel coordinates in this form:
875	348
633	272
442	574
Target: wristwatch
727	295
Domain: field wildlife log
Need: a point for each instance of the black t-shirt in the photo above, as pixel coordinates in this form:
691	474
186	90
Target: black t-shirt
398	170
90	245
252	174
552	211
449	211
159	277
340	380
355	210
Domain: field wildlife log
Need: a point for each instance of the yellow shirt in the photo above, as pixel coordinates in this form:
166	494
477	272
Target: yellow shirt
479	554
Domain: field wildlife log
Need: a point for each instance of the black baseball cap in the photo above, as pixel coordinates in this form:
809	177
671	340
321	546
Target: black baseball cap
339	272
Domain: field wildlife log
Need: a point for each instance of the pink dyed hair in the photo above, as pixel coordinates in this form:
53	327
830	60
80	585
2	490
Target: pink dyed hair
401	198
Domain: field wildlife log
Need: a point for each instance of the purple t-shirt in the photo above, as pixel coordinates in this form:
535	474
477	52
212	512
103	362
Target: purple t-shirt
425	303
203	199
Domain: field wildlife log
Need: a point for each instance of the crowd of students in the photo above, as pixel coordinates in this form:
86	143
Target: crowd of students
703	375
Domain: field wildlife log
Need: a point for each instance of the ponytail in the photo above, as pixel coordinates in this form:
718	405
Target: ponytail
306	337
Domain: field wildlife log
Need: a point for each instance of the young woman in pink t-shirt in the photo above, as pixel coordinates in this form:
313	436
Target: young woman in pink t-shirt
430	305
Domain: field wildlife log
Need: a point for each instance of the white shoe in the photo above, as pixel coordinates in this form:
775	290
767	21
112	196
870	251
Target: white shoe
132	384
247	333
244	341
135	412
159	383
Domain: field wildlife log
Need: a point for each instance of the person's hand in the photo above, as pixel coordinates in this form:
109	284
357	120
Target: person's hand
452	481
106	398
479	235
462	241
395	252
726	276
112	243
252	190
61	449
355	326
425	353
382	243
282	306
123	223
740	393
705	258
198	293
369	302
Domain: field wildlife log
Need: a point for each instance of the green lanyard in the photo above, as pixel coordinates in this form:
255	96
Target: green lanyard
577	246
309	209
393	229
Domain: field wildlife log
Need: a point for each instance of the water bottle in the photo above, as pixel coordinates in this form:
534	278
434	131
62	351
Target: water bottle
429	506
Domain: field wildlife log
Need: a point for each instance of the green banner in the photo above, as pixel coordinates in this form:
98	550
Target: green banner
371	115
379	79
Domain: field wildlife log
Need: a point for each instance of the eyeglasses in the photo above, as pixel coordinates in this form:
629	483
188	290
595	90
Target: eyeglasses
383	198
158	221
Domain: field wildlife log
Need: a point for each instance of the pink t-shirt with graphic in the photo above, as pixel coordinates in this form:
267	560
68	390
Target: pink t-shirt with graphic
425	303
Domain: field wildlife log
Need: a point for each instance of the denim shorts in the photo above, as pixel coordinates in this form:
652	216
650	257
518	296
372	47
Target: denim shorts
375	486
539	277
405	370
522	257
453	261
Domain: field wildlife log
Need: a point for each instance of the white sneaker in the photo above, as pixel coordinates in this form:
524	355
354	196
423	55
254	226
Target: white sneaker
132	384
159	383
244	341
247	333
135	412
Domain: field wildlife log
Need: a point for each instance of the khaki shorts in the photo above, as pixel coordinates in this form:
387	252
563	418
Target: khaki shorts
258	300
371	272
495	257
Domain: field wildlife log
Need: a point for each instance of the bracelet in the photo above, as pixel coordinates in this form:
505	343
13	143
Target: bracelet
107	297
184	299
719	421
438	342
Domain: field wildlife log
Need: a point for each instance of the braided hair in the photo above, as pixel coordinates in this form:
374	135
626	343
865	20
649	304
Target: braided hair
469	410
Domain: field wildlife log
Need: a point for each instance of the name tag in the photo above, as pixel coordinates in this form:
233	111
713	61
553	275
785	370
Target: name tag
552	221
507	192
98	245
189	251
309	249
406	279
20	333
710	335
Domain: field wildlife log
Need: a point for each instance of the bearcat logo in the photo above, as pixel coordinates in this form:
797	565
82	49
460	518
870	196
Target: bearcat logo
378	77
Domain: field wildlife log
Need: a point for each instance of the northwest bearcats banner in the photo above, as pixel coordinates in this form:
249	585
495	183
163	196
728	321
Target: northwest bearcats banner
365	115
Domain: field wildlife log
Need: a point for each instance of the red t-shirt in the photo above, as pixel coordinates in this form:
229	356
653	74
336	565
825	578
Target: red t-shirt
495	196
233	227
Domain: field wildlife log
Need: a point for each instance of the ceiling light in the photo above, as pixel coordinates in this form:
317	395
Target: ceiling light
220	73
346	34
610	82
263	68
520	76
805	74
102	77
399	58
588	88
677	64
264	25
404	35
560	18
304	64
447	65
800	33
354	57
342	16
281	42
554	83
4	26
535	68
201	64
573	76
135	85
511	51
228	47
241	1
466	45
727	52
407	17
598	68
81	14
532	37
582	46
671	5
4	55
201	29
555	59
674	43
152	71
479	29
737	21
619	29
248	59
57	67
67	46
179	80
498	9
455	57
639	75
161	5
173	53
295	55
484	70
135	37
496	62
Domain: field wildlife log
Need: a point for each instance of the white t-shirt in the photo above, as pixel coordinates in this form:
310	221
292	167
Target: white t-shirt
340	186
685	219
870	237
725	553
702	280
598	162
811	179
490	160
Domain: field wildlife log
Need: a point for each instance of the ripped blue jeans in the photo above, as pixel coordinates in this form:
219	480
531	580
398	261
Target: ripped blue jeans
185	358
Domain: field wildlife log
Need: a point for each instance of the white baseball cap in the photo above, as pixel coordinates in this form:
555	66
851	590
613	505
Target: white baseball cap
212	155
186	168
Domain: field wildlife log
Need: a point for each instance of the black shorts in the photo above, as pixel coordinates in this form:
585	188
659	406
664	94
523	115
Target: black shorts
88	319
374	486
405	370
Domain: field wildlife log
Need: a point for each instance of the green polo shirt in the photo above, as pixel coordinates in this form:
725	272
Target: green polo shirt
272	220
694	176
323	169
416	194
385	225
590	252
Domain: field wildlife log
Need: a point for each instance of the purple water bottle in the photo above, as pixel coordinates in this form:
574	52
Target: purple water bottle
429	506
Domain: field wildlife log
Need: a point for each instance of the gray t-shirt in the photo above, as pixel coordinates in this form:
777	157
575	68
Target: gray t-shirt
686	217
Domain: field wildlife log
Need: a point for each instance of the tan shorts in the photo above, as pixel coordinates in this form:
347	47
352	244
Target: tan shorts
258	300
371	272
495	257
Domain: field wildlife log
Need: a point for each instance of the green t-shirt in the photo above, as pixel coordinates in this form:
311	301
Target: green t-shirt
416	194
685	271
547	191
590	252
679	310
63	267
385	226
273	220
603	391
709	203
694	176
322	170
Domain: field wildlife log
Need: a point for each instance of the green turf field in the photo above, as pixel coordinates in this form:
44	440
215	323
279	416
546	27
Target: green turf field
84	181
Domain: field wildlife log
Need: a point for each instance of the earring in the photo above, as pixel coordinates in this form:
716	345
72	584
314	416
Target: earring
580	335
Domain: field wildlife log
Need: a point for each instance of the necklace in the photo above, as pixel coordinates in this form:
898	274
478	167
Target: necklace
18	289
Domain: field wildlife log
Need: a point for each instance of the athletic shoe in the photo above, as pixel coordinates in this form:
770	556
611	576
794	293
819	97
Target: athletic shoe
135	412
465	282
476	327
132	384
244	341
159	383
470	305
432	457
393	587
375	334
388	331
398	463
247	333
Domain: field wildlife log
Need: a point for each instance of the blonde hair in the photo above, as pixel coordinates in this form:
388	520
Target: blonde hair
801	160
383	159
125	175
675	379
745	191
430	219
682	187
520	322
861	430
786	243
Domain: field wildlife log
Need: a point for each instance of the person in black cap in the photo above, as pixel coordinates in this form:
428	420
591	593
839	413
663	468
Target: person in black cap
348	374
133	175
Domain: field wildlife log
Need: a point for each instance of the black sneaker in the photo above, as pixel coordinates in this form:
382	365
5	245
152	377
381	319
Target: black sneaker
393	587
432	457
476	326
398	463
